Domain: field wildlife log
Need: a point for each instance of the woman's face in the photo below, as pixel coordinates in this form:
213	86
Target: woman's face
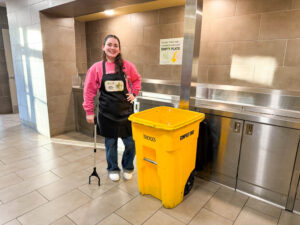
111	48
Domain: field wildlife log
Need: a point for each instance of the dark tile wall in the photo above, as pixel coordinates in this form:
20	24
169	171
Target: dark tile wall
80	39
5	100
243	42
251	43
60	67
139	34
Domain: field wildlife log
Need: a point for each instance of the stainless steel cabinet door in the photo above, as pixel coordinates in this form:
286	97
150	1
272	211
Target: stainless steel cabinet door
297	200
267	161
224	136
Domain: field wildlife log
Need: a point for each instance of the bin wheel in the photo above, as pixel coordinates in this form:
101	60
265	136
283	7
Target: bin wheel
189	184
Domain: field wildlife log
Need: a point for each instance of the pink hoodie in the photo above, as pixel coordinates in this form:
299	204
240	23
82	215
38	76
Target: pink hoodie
94	77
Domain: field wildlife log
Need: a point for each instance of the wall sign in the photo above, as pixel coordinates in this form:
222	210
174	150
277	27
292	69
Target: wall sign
171	51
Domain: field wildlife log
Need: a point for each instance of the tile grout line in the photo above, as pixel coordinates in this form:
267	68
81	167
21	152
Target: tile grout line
152	215
33	208
262	212
218	214
171	216
115	211
241	210
280	216
203	207
214	211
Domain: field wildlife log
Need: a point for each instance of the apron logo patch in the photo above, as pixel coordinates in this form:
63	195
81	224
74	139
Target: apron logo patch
114	85
186	135
149	138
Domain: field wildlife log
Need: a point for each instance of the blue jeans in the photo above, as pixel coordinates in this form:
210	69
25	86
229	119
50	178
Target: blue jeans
111	148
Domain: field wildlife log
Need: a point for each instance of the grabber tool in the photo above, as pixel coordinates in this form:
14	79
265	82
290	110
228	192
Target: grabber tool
94	173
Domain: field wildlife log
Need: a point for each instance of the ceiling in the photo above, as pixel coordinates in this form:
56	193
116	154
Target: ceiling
141	7
84	10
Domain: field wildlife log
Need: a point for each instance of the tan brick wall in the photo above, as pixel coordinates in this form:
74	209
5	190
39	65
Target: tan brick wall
140	35
251	43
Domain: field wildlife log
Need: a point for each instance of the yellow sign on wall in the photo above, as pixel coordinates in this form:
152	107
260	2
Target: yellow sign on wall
171	51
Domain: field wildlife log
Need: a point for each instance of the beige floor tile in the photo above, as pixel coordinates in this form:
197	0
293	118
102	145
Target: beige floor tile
55	209
288	218
190	205
45	157
94	191
99	208
9	180
13	209
39	140
8	150
264	207
139	209
14	157
28	145
40	168
63	221
72	167
113	219
17	190
206	217
23	164
76	155
130	186
59	149
250	216
227	203
162	219
210	186
64	185
22	154
13	222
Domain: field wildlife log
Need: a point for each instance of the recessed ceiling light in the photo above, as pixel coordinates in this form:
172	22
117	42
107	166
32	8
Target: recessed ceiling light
109	12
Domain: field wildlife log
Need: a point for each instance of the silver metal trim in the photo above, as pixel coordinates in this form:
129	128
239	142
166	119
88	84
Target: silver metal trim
261	199
248	89
191	48
150	161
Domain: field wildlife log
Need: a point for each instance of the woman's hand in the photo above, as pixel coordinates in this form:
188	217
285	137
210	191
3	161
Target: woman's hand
130	98
90	118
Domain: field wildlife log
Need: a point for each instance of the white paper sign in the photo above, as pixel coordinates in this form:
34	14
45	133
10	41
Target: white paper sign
171	51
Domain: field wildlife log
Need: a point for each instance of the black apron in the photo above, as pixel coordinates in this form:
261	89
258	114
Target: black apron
114	109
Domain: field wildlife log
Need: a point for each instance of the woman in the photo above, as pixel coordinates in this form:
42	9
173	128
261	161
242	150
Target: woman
119	83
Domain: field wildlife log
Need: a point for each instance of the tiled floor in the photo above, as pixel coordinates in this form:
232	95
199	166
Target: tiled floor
45	181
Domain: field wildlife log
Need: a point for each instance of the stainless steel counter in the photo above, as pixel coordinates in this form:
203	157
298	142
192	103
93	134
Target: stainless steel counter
260	114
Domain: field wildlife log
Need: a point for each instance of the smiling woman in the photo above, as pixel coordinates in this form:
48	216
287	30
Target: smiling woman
118	83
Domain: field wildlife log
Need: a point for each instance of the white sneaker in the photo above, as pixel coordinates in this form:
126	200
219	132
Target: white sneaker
114	176
127	175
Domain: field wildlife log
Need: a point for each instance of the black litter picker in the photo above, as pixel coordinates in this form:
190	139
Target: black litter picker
94	173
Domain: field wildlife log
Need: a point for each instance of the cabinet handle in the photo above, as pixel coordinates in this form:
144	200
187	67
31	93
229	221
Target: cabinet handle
249	129
237	127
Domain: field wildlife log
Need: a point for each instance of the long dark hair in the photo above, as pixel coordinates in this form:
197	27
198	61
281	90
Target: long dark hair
118	60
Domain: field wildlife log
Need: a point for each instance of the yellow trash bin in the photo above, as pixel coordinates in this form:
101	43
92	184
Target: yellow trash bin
166	144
